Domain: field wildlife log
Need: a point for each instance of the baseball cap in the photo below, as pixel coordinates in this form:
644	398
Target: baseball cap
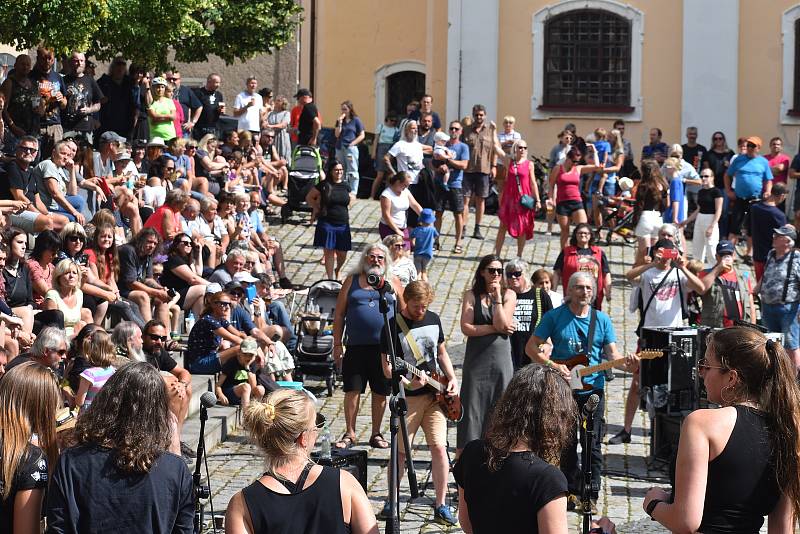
725	247
123	156
788	230
302	92
246	277
249	346
441	136
213	288
664	243
755	140
232	286
111	137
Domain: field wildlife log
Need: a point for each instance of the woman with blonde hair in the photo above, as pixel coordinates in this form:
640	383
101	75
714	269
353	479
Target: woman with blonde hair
294	494
67	297
402	265
28	450
100	352
278	119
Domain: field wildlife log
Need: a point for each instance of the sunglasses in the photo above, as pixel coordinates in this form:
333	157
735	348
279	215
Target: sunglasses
185	243
225	303
751	145
154	337
497	271
515	274
454	129
703	365
398	246
28	149
76	238
718	138
522	148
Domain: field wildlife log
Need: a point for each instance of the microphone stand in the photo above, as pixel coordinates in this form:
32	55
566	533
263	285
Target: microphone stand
397	422
201	491
588	441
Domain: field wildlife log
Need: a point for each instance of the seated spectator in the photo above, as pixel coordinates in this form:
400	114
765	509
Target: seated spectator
95	298
30	398
56	183
100	353
49	349
270	310
17	278
103	265
67	297
183	272
236	381
211	344
207	164
123	443
40	264
213	232
76	361
136	281
166	219
234	263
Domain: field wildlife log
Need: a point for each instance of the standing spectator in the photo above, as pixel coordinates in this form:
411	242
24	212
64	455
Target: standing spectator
423	237
83	98
753	179
190	104
452	198
569	202
426	106
542	278
674	214
706	219
651	198
688	175
779	289
331	199
778	161
24	104
765	218
426	135
30	399
213	105
629	167
693	152
409	155
349	133
278	121
487	320
136	281
532	303
308	122
515	218
141	87
718	158
727	295
384	139
396	200
482	167
249	107
123	444
584	255
508	137
51	89
657	149
558	152
162	111
357	325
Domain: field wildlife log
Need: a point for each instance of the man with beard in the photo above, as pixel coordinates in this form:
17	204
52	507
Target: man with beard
728	296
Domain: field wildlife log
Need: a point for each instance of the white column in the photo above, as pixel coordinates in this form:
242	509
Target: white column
710	67
473	40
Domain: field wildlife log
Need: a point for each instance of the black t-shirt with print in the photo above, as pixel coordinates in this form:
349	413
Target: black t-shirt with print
209	117
428	335
527	314
81	92
31	474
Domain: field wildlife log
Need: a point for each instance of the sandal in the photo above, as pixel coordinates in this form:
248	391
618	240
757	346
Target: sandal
346	442
457	249
378	442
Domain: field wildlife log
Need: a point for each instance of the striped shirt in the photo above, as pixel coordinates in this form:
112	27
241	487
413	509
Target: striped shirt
97	377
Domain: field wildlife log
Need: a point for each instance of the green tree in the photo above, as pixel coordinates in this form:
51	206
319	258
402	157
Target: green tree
152	32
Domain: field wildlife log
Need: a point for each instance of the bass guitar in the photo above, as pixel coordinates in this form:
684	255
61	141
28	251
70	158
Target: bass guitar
579	367
450	404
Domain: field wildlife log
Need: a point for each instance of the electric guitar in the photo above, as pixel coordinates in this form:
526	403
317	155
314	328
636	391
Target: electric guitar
579	367
450	404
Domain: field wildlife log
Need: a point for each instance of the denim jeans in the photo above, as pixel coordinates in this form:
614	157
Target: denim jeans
280	317
207	364
348	156
783	318
77	202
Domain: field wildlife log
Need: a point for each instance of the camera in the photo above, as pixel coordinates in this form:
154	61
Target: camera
670	253
171	292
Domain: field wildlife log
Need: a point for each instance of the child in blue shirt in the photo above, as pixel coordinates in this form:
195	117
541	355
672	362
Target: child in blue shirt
422	239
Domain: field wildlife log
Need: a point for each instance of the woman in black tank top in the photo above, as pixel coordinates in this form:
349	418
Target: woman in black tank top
294	494
738	463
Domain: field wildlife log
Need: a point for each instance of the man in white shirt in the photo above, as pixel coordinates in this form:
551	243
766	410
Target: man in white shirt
248	108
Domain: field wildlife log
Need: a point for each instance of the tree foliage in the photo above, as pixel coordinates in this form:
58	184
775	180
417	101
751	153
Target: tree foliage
151	32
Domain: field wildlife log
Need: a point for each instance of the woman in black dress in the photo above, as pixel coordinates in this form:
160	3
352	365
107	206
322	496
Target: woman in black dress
183	272
330	200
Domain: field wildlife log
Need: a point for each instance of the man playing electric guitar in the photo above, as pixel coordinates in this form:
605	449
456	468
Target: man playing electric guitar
576	328
418	339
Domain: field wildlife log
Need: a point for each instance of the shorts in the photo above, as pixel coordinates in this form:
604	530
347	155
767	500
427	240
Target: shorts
380	152
25	220
227	390
424	411
362	365
333	236
568	207
740	215
207	364
649	224
783	318
475	184
384	231
421	263
451	200
281	361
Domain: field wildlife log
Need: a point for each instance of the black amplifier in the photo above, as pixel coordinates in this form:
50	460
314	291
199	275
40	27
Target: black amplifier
354	461
672	380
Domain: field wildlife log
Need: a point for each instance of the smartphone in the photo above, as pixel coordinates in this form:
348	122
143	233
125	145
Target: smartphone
83	259
250	292
670	253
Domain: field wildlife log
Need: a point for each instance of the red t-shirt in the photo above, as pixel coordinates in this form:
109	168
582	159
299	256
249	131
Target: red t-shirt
569	185
776	160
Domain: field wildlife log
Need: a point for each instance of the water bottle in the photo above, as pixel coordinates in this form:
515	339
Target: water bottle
325	443
129	182
189	322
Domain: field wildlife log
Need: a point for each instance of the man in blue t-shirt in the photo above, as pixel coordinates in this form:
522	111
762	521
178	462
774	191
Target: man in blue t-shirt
753	180
657	149
453	197
567	327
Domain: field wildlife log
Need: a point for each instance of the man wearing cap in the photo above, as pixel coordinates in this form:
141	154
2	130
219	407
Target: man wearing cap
779	290
103	159
308	120
83	97
728	294
753	180
213	105
765	217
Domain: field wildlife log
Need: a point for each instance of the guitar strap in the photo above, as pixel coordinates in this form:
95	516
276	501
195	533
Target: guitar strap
590	335
410	339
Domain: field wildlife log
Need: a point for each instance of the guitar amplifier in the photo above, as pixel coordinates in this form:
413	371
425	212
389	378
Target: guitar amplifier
672	378
354	461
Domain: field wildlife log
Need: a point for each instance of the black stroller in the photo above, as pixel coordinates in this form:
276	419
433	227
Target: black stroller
304	173
314	352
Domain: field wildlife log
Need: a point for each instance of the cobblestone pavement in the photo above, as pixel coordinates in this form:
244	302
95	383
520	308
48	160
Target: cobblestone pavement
234	464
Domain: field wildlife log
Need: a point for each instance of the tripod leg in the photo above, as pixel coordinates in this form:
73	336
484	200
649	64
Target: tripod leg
412	475
393	520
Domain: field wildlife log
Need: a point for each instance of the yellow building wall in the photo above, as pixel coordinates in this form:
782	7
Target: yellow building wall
760	72
661	76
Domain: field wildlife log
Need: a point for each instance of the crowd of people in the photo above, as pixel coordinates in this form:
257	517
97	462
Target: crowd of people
146	220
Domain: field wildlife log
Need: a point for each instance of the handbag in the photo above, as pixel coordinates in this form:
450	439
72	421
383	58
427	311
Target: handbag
526	201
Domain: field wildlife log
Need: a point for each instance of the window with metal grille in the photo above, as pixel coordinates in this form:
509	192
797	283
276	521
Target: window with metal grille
587	62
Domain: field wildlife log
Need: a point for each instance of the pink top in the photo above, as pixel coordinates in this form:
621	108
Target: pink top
179	118
776	160
156	219
569	185
39	273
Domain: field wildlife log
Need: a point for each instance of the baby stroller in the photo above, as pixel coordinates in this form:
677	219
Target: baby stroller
618	219
314	352
304	174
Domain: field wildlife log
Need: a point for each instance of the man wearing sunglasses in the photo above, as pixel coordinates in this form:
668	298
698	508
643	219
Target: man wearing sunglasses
49	349
753	178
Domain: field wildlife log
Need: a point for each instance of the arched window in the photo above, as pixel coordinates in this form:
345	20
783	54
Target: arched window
403	87
587	61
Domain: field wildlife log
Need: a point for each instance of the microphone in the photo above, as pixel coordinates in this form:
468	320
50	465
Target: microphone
208	399
379	282
591	404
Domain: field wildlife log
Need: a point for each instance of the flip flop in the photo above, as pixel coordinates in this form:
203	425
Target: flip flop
378	442
457	249
345	443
